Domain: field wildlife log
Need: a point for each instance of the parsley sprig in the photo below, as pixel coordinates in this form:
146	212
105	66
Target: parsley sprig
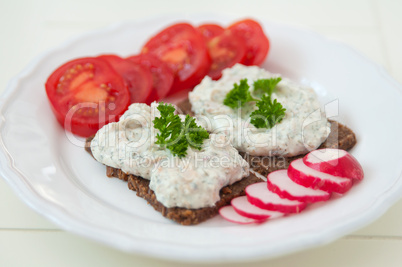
266	86
239	95
269	112
195	135
176	135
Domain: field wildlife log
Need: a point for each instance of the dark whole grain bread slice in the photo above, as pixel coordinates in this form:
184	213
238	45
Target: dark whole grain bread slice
340	137
180	215
190	216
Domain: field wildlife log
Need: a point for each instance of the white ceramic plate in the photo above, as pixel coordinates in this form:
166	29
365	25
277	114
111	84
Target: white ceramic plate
57	178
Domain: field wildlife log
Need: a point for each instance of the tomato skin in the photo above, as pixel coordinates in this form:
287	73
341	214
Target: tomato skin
256	41
137	77
162	75
182	47
225	50
209	31
85	94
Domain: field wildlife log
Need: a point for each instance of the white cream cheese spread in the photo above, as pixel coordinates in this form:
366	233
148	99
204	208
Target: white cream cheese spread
303	128
193	181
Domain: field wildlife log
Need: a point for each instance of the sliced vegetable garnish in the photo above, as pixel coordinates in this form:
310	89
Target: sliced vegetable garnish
137	77
336	162
308	177
209	31
225	50
279	183
86	94
183	48
162	75
259	195
230	214
175	59
256	41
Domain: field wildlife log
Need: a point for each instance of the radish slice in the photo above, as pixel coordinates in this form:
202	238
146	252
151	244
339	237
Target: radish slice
280	183
307	177
336	162
244	208
229	214
259	195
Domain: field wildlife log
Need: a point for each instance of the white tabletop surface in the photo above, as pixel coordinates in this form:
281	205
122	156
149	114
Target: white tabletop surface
28	28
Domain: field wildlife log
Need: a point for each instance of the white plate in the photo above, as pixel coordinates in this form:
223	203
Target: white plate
57	178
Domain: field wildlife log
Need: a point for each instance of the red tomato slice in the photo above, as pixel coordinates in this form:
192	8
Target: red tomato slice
137	77
256	41
162	75
182	47
209	31
86	94
225	51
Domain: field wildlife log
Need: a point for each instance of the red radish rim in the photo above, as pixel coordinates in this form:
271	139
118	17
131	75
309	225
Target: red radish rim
285	194
310	180
250	214
344	165
232	211
291	208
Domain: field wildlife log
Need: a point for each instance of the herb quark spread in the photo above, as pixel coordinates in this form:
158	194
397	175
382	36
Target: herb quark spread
303	128
192	181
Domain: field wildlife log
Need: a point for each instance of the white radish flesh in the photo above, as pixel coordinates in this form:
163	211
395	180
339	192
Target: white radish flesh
305	176
243	207
229	214
280	183
336	162
259	195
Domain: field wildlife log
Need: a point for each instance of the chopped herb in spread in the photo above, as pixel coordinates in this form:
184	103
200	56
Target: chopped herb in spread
176	135
269	112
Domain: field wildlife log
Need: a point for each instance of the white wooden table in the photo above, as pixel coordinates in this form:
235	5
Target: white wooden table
28	28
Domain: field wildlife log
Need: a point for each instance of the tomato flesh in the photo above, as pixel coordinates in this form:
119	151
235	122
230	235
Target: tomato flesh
209	31
183	49
162	75
137	77
256	41
86	94
225	50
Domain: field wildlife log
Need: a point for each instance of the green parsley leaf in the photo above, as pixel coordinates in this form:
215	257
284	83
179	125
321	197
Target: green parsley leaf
179	148
195	134
168	124
268	113
239	95
176	135
266	86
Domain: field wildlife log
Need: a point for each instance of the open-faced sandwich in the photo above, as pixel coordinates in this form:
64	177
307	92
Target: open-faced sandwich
270	120
188	168
171	161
